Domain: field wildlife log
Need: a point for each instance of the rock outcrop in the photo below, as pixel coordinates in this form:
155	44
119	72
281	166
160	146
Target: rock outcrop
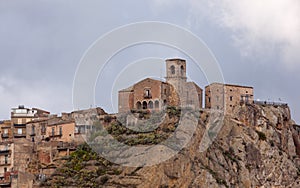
257	146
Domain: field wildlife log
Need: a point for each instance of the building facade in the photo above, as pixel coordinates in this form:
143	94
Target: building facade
36	130
63	131
6	131
154	95
226	96
6	162
21	116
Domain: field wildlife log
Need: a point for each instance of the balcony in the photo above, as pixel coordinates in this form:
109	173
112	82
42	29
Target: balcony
5	162
55	135
16	135
19	125
5	151
4	135
147	96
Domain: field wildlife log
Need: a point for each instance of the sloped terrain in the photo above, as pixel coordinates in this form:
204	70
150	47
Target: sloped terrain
257	146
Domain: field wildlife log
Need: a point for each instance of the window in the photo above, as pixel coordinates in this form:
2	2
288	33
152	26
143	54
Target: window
165	91
5	131
247	98
182	70
230	90
32	129
6	159
60	130
230	98
20	131
43	129
53	131
172	68
208	99
147	93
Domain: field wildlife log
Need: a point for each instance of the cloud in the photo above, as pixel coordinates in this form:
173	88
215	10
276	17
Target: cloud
263	25
257	27
14	91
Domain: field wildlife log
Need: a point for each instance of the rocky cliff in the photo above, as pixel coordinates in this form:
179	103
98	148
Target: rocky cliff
257	146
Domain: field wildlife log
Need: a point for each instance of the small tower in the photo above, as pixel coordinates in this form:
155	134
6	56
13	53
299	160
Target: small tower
176	73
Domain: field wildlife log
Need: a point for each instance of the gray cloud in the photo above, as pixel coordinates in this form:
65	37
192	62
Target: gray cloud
42	42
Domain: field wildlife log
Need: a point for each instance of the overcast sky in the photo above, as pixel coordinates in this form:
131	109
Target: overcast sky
256	43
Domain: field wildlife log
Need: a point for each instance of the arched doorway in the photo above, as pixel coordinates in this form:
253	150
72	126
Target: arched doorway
139	105
156	104
150	105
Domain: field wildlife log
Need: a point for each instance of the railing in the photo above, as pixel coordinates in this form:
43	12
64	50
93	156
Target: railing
55	134
19	125
4	151
270	103
147	96
16	135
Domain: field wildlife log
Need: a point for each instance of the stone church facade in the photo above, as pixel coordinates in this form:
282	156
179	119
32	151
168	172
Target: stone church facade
155	95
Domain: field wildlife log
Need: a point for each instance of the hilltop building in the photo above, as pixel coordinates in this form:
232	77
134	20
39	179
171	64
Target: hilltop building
227	96
154	95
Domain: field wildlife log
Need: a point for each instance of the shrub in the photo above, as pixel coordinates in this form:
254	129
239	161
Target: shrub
261	135
107	119
104	179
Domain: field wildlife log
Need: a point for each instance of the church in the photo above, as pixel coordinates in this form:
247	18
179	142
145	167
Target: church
155	95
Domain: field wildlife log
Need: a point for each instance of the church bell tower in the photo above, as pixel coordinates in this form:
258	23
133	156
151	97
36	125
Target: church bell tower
176	73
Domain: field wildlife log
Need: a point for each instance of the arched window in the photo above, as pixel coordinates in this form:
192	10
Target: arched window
144	105
138	105
150	105
172	68
156	104
182	70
